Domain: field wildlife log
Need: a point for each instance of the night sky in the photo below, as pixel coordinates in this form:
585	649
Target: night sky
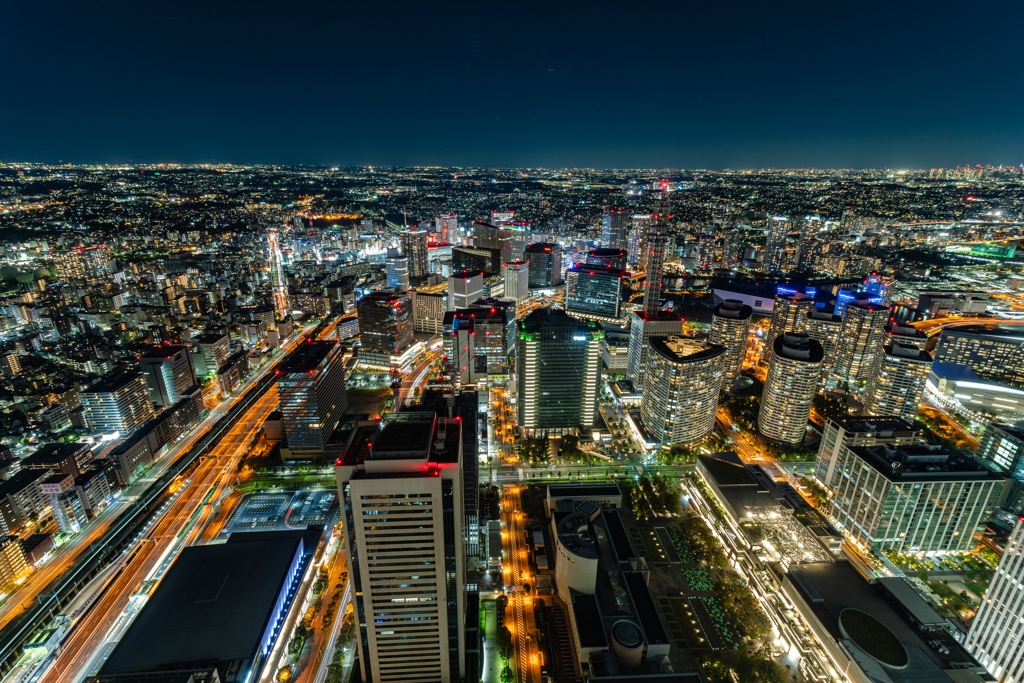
713	84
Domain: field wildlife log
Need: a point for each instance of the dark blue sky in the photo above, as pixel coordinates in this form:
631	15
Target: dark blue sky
715	84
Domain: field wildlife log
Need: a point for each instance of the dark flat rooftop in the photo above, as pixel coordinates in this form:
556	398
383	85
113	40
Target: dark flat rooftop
112	383
307	357
212	606
588	619
583	490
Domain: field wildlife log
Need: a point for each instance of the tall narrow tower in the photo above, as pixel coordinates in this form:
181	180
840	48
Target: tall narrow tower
657	244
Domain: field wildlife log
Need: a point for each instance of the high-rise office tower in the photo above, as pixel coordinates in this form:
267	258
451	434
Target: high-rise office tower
825	327
169	373
311	394
775	244
996	638
897	381
614	233
464	288
479	341
906	336
559	368
404	533
859	341
642	327
638	241
594	292
657	245
545	260
487	236
789	314
790	387
414	248
1003	446
471	258
517	280
843	433
730	326
913	498
118	403
397	270
994	352
612	258
447	228
681	385
385	328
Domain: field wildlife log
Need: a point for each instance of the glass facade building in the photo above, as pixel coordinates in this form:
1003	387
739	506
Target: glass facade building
594	292
311	392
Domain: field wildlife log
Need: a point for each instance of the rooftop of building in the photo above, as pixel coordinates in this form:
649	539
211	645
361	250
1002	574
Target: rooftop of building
164	351
53	453
383	298
597	269
605	252
663	316
21	480
955	372
829	588
733	309
417	435
867	306
212	606
583	490
908	352
306	358
1005	332
897	330
495	315
214	338
680	349
112	383
541	247
798	347
554	317
816	314
467	274
879	425
924	462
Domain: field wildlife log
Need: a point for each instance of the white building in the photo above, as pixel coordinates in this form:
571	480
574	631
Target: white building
793	369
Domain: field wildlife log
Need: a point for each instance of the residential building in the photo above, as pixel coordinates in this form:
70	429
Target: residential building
730	327
681	385
559	368
792	382
404	512
638	241
789	314
10	365
118	403
214	350
914	497
414	248
825	328
311	394
595	292
859	342
897	381
13	565
614	233
644	326
169	373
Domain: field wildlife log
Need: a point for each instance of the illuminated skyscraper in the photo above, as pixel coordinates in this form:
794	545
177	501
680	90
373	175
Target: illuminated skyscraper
775	245
397	270
614	232
657	245
730	326
897	381
169	373
638	241
312	396
517	280
464	288
385	327
642	328
594	292
559	360
680	390
825	327
414	248
789	314
612	258
790	387
545	260
404	506
859	341
118	403
997	632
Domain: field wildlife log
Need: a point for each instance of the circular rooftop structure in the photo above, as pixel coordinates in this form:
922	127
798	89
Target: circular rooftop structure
873	637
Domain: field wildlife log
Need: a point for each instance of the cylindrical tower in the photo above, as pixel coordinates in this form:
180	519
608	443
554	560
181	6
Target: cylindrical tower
681	385
792	382
730	325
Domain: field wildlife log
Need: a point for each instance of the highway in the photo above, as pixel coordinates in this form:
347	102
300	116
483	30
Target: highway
419	376
82	651
519	617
